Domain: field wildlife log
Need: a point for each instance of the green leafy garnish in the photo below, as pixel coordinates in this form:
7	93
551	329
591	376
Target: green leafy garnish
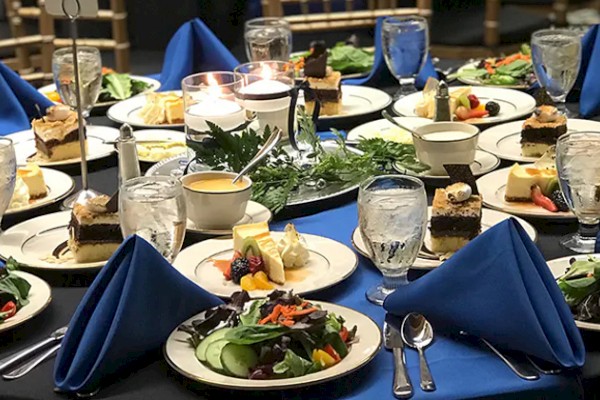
120	87
252	316
251	334
12	287
293	365
345	58
582	279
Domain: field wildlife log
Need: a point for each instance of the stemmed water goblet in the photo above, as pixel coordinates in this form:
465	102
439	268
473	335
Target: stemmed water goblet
268	39
8	173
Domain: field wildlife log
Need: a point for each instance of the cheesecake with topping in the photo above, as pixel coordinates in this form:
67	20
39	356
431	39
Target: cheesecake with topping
33	178
541	130
324	82
57	134
521	179
266	246
94	231
162	108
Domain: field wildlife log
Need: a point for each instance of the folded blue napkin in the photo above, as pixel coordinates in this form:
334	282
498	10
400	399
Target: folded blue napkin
19	98
380	74
498	287
130	309
589	74
194	48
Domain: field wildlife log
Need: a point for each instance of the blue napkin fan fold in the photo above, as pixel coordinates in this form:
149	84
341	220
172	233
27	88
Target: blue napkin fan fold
128	312
19	98
589	74
498	287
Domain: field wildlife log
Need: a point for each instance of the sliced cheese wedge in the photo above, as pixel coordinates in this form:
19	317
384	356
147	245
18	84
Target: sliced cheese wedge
266	244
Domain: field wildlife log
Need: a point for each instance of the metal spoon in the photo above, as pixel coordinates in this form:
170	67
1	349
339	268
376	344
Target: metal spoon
418	334
13	359
262	153
391	119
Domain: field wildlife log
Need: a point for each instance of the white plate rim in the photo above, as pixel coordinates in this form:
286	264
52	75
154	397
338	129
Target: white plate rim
259	213
378	98
120	111
353	135
368	329
37	284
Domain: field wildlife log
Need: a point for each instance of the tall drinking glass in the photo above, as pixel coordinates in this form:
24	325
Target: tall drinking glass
556	56
405	46
153	207
392	213
8	174
268	39
577	156
90	74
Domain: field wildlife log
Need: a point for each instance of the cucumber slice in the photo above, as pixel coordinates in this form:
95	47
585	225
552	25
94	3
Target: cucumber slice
213	354
213	337
238	359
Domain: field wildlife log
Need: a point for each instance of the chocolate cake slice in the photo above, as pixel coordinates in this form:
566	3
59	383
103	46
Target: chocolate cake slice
541	130
57	134
326	84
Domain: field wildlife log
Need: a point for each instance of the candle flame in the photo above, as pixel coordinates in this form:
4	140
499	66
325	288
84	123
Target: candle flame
266	72
213	86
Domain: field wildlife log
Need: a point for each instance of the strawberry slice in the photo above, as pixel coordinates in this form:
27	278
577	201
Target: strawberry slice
540	200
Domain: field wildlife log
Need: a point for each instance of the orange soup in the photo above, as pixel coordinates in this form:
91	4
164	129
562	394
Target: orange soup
217	185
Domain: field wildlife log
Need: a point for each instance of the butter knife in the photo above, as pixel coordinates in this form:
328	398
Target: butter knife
402	388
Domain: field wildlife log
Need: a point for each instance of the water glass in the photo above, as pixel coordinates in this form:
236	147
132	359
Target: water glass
268	39
8	173
153	207
556	57
392	213
90	75
577	156
405	46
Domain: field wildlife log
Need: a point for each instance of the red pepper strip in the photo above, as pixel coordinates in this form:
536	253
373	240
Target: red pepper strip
344	334
10	308
331	351
540	200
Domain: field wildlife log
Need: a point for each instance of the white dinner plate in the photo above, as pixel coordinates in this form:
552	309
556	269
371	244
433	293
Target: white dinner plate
58	185
513	103
127	112
492	188
358	100
32	243
39	298
330	262
255	212
384	129
158	135
558	267
154	86
505	140
180	356
476	82
489	218
24	143
484	163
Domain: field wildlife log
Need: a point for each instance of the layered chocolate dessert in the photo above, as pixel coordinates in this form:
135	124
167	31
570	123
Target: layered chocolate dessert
57	135
94	231
541	130
326	84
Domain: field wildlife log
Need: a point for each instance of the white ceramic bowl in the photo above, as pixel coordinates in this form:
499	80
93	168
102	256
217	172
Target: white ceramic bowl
215	210
445	143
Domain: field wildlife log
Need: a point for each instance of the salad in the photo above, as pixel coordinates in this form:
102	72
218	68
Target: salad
581	287
14	290
343	57
280	336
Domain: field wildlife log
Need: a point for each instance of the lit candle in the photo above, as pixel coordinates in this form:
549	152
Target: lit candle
266	94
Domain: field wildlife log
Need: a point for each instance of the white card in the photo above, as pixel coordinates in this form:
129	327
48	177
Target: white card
87	8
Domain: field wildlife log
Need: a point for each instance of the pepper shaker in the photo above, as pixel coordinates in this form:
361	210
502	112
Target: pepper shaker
129	166
442	103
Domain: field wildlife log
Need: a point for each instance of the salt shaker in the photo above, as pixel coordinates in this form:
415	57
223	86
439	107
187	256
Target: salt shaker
129	166
442	103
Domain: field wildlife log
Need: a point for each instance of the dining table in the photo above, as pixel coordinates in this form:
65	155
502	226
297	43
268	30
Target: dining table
152	378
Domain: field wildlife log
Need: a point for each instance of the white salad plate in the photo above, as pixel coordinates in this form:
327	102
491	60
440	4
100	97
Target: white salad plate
127	112
358	100
513	103
492	188
39	298
489	218
505	140
477	82
32	243
58	185
384	129
484	163
148	137
255	212
330	262
558	267
180	356
24	143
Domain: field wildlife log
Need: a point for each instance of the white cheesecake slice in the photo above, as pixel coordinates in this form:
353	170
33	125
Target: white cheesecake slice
521	179
266	244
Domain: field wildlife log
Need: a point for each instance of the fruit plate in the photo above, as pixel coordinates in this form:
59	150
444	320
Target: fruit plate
329	263
180	356
58	185
39	298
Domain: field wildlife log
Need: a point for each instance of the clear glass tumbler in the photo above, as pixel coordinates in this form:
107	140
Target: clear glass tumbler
8	173
268	39
392	212
153	207
577	156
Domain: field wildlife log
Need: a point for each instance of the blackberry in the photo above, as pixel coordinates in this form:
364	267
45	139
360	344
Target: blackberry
493	108
239	268
558	199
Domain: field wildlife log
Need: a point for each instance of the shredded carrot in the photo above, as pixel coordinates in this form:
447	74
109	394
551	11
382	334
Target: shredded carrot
287	322
272	317
302	312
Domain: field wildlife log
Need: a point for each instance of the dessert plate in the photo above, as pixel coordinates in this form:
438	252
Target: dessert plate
180	356
58	184
24	143
32	243
330	262
384	129
39	298
558	267
149	141
505	140
492	188
513	104
255	212
127	112
489	218
484	163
